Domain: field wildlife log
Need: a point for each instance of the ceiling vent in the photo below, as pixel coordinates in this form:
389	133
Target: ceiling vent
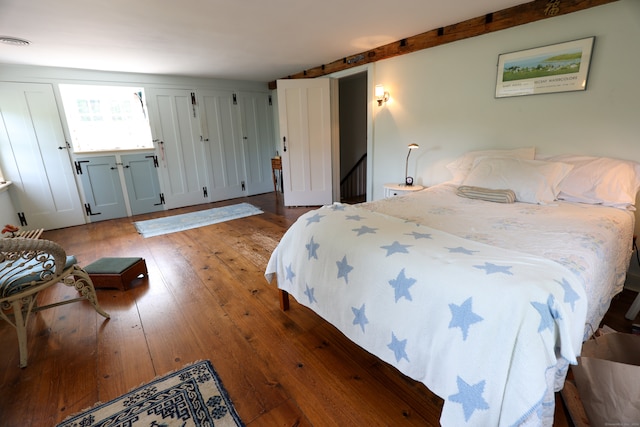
14	41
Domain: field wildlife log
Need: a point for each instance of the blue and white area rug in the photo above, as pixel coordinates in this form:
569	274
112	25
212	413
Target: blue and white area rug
190	397
172	224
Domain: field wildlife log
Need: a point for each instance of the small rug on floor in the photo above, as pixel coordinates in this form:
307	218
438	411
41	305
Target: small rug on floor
191	397
172	224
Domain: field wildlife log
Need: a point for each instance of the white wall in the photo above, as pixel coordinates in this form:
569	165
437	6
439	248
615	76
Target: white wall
443	98
7	212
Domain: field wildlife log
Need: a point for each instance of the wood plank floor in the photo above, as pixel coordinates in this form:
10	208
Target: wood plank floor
206	298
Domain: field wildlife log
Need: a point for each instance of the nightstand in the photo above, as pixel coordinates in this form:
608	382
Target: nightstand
391	190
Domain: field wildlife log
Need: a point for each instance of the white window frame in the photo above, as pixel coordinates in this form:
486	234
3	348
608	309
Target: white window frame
106	118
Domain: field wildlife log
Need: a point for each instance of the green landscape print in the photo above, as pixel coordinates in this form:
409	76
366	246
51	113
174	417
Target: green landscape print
550	64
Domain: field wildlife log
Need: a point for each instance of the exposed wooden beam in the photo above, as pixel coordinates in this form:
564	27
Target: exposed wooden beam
507	18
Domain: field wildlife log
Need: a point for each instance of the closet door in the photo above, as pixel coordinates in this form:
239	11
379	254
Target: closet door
222	139
35	156
141	179
181	155
102	187
258	140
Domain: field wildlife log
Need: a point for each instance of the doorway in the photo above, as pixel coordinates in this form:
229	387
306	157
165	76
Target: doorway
353	137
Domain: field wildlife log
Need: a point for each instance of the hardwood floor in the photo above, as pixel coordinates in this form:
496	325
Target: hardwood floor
206	298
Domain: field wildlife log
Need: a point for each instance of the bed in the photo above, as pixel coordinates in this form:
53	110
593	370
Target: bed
485	296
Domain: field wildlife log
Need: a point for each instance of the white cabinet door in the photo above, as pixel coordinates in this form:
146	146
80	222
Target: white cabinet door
304	110
176	133
258	140
34	155
217	148
222	138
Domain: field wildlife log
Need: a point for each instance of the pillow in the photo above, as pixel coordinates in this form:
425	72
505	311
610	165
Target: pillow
533	181
460	167
600	180
498	196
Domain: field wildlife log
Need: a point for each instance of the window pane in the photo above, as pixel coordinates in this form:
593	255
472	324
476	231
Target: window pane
106	118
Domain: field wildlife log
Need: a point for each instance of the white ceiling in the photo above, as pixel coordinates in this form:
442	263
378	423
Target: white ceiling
259	40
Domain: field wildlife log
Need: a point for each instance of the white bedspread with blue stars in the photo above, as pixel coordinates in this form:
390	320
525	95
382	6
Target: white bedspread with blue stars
485	328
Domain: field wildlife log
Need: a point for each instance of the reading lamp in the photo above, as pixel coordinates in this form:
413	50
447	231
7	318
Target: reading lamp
407	179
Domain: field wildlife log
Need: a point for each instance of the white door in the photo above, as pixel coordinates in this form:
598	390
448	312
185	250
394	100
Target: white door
304	109
35	156
223	144
258	144
176	133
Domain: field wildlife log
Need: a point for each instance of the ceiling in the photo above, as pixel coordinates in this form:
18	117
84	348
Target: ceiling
258	40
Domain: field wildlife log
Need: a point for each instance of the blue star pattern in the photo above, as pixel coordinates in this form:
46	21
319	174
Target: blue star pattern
417	235
401	284
364	230
493	268
396	247
462	317
309	293
359	317
343	269
404	280
547	313
312	247
398	348
461	250
290	273
470	396
338	207
570	296
314	218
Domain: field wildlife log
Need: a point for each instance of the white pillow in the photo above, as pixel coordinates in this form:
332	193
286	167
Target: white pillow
600	180
533	181
460	167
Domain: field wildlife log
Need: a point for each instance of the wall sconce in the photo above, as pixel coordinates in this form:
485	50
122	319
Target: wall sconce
407	179
381	95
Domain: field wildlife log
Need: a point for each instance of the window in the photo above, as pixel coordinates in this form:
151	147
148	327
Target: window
106	118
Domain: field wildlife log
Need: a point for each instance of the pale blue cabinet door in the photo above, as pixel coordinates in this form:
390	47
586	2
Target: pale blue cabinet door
143	185
102	189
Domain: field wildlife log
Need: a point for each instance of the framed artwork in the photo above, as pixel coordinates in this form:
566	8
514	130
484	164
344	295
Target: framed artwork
561	67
